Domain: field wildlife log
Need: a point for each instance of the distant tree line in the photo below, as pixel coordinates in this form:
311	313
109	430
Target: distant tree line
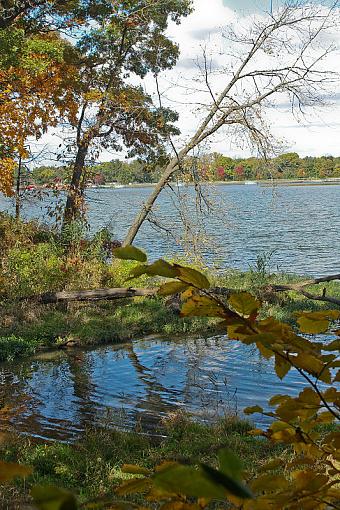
217	167
115	171
209	167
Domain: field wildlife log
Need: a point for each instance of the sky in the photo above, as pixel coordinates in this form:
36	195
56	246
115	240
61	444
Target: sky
316	134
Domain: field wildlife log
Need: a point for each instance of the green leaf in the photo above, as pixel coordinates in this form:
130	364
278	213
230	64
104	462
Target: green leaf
130	253
169	288
233	486
192	276
230	464
52	498
244	303
188	481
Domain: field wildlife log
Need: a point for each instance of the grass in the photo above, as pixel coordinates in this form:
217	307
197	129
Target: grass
12	347
92	467
34	260
282	305
105	322
26	326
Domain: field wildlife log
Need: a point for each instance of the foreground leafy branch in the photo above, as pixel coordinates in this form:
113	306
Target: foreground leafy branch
310	479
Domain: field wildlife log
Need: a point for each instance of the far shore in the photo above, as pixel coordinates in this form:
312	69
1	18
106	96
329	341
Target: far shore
265	182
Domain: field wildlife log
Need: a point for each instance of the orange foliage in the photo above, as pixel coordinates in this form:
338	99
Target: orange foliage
30	102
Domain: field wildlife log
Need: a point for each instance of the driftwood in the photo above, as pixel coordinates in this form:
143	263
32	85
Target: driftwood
122	293
300	287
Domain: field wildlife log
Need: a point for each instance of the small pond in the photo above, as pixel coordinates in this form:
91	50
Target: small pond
56	395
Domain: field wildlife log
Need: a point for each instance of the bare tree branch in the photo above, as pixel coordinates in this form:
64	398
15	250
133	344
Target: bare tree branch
292	34
300	287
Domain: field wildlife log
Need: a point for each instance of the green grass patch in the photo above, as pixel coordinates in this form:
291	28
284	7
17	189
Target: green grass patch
118	321
92	467
12	347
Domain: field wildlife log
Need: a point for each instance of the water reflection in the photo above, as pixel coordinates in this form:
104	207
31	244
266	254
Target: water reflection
136	384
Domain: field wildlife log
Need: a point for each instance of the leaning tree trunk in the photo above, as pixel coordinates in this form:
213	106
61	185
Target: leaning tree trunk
146	208
75	194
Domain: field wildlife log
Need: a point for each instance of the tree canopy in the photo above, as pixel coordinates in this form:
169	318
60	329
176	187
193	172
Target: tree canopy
37	90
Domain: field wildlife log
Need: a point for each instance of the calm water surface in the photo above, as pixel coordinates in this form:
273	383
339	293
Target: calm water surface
300	223
56	395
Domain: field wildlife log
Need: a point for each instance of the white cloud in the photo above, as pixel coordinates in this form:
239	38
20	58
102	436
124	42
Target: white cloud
315	134
183	91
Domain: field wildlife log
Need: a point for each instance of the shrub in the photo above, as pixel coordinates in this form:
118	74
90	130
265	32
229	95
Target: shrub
12	346
33	270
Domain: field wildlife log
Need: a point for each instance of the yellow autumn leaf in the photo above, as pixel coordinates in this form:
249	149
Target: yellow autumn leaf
313	326
170	288
253	409
202	306
135	470
192	277
308	362
244	303
282	366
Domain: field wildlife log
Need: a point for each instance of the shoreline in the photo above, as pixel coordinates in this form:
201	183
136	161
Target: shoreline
263	182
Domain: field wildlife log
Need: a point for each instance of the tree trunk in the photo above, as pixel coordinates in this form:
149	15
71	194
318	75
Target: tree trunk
17	193
168	172
146	208
75	193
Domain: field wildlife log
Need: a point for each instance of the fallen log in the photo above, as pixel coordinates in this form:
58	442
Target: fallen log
92	295
106	294
123	293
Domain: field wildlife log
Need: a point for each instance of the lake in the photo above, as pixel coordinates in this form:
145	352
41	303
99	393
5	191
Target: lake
299	224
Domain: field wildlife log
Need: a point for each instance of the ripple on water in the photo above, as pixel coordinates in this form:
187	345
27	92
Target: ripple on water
247	221
137	384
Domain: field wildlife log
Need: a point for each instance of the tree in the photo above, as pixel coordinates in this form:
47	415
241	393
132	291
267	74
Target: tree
239	172
288	164
326	166
11	10
39	16
116	53
292	50
37	79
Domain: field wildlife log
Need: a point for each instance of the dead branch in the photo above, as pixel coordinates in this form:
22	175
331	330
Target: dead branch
293	69
300	287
